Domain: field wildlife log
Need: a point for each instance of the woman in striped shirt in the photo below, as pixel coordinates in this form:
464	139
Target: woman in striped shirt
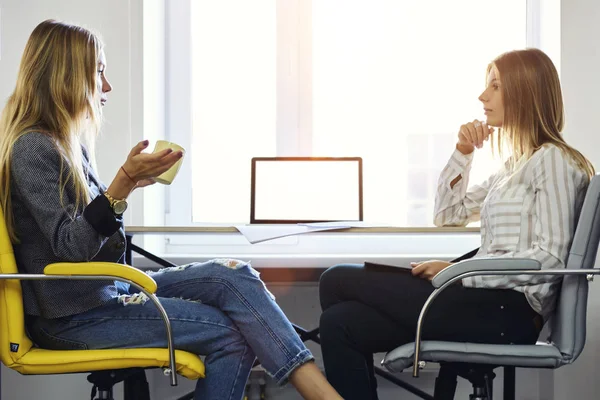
527	209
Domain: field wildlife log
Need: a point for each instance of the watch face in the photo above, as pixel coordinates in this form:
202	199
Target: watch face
119	207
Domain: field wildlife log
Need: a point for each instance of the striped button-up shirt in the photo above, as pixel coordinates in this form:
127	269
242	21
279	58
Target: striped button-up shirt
529	213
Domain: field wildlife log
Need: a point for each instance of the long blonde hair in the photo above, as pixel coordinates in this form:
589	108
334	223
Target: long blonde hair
56	94
533	107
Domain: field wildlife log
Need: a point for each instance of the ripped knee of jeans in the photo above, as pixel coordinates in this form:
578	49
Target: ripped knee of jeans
224	262
230	263
237	264
133	299
170	269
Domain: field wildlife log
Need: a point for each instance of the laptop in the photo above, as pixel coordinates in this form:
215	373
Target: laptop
292	190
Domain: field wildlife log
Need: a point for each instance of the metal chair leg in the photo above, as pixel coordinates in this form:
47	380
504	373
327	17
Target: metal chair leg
483	390
482	382
445	384
104	395
510	392
489	387
478	394
135	387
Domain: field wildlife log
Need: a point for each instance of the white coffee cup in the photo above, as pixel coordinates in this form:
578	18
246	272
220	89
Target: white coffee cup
166	178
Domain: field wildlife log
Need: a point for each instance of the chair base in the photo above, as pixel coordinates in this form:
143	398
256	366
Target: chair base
134	383
480	376
445	384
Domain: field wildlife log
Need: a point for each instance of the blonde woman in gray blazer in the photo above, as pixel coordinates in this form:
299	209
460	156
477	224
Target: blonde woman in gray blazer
58	209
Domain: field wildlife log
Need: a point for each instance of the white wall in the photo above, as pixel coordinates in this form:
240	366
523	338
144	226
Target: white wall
119	22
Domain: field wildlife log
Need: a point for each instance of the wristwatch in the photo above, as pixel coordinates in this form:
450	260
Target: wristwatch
118	205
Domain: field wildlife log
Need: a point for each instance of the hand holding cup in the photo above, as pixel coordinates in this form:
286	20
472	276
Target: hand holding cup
161	165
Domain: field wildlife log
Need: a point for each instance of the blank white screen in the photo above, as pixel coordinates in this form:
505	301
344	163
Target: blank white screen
307	190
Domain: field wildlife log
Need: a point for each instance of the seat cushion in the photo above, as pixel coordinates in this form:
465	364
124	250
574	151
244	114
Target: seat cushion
40	361
540	355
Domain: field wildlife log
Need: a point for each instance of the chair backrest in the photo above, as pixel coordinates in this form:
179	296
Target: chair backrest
569	322
13	339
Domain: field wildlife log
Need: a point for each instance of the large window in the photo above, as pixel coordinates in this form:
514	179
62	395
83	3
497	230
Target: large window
234	80
386	80
392	83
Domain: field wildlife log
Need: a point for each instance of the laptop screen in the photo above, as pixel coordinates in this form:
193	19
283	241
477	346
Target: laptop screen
302	189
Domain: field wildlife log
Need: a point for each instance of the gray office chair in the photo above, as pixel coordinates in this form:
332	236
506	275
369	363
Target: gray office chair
476	362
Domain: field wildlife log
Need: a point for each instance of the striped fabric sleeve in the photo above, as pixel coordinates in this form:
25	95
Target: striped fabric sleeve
459	205
556	184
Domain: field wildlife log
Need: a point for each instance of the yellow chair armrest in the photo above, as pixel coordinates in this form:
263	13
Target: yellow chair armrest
103	268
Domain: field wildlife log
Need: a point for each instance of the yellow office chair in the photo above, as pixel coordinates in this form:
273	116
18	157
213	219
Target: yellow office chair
19	353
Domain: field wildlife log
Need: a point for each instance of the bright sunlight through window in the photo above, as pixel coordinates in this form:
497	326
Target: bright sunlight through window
389	81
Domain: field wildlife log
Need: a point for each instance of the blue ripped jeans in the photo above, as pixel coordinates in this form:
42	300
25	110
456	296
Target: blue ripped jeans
220	309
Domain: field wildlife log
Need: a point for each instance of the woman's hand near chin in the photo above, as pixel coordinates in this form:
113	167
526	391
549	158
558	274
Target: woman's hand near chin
472	135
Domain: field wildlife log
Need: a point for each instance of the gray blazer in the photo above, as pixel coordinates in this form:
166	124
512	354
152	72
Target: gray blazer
49	233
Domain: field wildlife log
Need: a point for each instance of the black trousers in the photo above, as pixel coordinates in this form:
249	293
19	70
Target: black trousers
372	310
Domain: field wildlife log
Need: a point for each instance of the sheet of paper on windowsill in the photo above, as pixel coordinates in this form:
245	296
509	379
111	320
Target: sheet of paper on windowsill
260	233
345	224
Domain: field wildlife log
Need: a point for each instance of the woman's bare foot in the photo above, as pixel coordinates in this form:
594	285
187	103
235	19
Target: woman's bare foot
311	384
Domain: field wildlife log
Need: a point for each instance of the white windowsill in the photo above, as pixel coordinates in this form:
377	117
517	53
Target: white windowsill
314	250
